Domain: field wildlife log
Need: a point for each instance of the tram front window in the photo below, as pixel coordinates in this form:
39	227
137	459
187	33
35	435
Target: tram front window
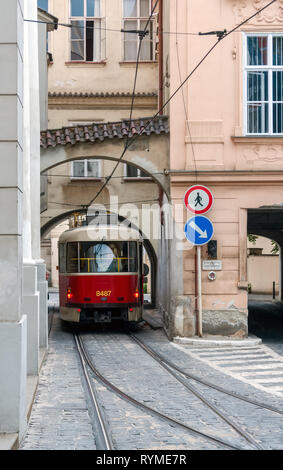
110	257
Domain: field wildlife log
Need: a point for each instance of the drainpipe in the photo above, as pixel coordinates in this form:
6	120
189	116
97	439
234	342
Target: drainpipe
160	56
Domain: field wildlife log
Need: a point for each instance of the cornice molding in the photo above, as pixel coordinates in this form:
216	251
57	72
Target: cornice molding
59	100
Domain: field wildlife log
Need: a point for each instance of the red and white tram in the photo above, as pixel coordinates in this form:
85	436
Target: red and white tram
101	274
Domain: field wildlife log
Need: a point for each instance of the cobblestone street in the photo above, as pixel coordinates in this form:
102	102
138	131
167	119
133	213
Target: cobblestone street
62	417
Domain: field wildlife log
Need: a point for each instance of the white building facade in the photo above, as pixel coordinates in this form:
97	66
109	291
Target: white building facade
23	287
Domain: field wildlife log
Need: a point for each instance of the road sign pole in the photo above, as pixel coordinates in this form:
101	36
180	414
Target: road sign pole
199	291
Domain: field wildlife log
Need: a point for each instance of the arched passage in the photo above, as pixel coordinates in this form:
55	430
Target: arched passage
156	174
266	311
149	152
48	226
268	222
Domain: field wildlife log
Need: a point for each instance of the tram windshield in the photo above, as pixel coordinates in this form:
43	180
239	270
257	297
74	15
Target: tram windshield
102	257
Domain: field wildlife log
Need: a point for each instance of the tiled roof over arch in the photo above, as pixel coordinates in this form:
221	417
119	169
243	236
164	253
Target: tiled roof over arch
98	132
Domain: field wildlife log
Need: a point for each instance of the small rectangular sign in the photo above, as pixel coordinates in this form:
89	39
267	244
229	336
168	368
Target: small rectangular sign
212	265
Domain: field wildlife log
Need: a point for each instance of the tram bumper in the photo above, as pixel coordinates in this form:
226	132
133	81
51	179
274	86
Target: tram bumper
101	315
70	314
135	313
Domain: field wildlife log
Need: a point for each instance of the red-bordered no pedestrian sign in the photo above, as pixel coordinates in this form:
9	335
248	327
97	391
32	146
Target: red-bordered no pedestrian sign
198	199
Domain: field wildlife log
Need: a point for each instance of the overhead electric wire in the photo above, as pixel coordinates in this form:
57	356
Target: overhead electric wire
225	35
84	206
96	179
183	97
141	36
123	31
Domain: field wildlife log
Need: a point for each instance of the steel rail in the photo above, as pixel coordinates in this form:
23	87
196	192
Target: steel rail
102	425
199	395
209	384
146	408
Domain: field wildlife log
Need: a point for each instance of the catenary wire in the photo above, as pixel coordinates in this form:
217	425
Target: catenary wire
102	177
123	31
131	111
183	97
179	87
69	25
141	36
108	204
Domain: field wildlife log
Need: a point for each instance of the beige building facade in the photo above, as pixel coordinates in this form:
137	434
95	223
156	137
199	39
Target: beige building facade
263	257
91	82
226	132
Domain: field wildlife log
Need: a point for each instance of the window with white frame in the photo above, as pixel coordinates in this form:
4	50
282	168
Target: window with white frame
133	172
86	169
135	17
87	36
264	84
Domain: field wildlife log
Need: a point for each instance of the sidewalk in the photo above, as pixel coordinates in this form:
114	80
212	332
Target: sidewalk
211	341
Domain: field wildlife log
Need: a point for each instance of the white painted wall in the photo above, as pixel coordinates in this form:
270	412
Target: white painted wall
13	333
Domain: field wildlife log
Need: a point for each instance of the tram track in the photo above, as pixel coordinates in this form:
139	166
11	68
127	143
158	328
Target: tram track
194	377
104	438
195	392
153	412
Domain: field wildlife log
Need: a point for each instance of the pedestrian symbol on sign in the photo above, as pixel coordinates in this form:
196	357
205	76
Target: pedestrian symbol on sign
198	200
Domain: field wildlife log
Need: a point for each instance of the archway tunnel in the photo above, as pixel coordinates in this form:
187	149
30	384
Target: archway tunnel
149	251
265	271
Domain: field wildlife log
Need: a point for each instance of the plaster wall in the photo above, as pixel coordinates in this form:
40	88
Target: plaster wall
59	118
13	333
208	146
82	77
262	272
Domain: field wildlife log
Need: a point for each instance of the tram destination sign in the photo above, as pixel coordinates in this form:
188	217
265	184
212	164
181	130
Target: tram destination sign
198	199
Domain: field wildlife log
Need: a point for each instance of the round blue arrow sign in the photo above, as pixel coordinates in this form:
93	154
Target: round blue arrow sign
199	230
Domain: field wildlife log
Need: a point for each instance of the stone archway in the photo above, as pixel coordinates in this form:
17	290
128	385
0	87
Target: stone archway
149	152
48	226
268	222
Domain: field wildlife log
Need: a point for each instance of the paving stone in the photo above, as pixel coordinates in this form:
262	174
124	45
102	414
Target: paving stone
60	418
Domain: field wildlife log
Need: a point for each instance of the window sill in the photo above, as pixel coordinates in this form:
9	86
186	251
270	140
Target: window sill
259	138
132	63
83	63
129	179
84	178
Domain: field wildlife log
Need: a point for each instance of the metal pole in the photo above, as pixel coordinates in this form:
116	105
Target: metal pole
199	292
196	291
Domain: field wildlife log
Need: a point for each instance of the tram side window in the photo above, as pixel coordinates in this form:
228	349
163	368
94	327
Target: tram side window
62	258
72	258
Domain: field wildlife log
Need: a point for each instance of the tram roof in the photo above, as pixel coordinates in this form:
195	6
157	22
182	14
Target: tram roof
98	233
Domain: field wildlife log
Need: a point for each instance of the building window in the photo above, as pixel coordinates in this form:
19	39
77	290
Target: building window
88	31
135	17
86	169
264	84
133	172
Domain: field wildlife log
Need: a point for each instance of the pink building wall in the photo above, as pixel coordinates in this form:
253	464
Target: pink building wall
211	148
